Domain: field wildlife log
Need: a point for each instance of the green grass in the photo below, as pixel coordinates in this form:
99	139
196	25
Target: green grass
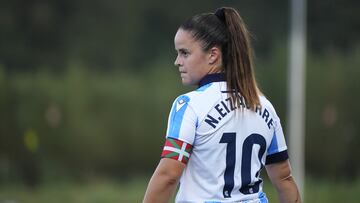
133	190
61	192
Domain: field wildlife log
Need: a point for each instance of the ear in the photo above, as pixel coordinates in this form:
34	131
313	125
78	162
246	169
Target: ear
214	55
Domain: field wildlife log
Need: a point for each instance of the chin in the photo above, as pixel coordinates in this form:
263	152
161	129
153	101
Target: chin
185	82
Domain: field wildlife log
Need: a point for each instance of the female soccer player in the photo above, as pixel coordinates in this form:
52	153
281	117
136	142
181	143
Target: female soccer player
222	134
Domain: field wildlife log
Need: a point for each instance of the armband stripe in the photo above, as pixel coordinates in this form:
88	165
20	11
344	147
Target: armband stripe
174	143
176	149
169	155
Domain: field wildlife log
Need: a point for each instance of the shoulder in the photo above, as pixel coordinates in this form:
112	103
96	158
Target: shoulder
200	99
198	94
266	104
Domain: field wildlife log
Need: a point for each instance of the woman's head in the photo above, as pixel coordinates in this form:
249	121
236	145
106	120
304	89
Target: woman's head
224	33
192	60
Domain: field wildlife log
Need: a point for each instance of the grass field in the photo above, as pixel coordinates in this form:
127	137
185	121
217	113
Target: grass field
132	191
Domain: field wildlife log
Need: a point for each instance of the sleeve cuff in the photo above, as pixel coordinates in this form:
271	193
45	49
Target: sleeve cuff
277	157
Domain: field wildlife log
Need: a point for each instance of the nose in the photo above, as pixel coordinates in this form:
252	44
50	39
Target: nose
177	61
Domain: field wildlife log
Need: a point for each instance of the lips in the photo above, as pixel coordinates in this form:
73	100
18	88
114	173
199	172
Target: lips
182	74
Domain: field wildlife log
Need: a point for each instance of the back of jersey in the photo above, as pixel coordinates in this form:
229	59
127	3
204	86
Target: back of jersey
231	144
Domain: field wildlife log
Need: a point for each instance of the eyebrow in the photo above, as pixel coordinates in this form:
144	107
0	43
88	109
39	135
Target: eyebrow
182	49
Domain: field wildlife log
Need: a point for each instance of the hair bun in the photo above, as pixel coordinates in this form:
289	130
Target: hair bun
220	14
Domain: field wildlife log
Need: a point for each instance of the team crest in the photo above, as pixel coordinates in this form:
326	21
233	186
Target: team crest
179	104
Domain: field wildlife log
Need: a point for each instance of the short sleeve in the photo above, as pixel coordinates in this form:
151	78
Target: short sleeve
182	121
277	150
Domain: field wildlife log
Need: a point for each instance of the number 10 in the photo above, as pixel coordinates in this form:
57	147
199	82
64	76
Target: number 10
246	187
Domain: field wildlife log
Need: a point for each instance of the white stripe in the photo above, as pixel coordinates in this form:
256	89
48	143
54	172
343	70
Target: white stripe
181	151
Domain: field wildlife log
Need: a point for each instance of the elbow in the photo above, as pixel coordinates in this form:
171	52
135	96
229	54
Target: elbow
283	181
288	190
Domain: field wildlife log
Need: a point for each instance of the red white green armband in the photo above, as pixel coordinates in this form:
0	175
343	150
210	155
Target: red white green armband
176	149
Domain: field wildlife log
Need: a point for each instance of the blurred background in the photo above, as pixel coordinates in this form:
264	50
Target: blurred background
86	88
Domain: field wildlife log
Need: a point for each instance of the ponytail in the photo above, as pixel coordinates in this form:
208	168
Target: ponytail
238	60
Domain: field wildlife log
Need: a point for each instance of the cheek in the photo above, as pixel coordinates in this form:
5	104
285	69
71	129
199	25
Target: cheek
194	76
195	67
199	68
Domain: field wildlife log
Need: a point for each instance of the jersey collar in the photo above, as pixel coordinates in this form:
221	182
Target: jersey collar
215	77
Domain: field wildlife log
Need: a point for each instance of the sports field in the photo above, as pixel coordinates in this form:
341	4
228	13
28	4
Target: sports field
131	191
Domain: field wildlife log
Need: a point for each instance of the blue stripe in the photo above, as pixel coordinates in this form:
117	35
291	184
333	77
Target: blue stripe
204	87
173	110
263	198
177	116
273	148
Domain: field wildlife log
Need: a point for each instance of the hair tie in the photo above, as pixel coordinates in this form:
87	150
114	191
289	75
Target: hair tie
220	14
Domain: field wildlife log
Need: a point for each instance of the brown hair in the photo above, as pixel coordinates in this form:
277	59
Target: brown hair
226	29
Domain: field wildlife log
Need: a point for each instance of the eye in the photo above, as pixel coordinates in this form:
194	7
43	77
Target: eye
184	53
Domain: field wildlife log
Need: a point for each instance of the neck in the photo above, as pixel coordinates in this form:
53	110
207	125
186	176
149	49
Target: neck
215	69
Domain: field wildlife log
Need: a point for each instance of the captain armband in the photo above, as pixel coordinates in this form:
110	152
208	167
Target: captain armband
177	150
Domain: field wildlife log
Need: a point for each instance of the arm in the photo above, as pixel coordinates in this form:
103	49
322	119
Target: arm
164	181
280	176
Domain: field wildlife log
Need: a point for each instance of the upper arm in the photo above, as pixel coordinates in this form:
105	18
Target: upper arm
280	176
175	156
170	169
164	180
180	135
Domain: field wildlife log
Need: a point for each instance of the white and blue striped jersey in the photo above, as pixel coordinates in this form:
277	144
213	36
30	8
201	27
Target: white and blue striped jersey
231	144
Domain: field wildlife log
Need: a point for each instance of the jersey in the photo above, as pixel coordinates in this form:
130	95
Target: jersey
230	144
